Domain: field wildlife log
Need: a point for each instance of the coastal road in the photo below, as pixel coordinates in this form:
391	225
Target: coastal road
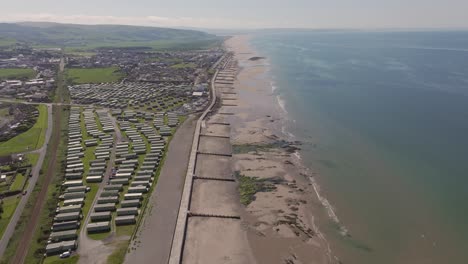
156	231
32	182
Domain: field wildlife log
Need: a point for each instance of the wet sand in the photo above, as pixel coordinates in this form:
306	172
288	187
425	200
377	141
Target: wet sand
280	221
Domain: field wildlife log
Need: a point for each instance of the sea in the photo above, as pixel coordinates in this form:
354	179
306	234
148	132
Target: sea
383	119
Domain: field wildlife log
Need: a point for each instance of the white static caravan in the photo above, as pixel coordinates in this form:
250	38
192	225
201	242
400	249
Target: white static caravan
101	216
72	183
94	179
130	203
61	226
104	207
98	227
133	196
77	201
127	211
125	220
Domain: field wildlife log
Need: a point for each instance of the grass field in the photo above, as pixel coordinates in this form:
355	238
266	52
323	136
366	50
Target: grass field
9	206
94	75
156	45
30	140
18	182
5	42
79	53
184	65
17	73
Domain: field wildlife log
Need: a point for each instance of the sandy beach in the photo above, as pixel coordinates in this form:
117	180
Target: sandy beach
280	218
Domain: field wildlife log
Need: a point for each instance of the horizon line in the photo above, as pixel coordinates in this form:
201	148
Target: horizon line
443	28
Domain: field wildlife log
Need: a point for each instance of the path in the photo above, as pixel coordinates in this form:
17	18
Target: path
32	182
157	228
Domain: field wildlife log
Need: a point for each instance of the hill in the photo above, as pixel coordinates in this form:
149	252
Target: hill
93	36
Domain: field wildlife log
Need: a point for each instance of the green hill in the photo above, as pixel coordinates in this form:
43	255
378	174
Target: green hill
93	36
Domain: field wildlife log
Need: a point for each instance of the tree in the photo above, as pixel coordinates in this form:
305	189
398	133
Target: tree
1	208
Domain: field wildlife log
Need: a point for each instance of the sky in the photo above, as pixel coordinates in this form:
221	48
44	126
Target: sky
245	14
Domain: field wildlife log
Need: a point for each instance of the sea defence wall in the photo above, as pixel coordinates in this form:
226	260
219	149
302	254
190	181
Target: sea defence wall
184	213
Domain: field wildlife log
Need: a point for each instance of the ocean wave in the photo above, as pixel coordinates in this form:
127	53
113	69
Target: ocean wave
290	136
281	103
324	201
273	86
330	210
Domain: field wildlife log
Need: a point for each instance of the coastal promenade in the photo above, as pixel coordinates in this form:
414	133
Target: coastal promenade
179	235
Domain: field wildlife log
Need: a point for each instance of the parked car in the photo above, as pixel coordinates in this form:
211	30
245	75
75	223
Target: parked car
65	254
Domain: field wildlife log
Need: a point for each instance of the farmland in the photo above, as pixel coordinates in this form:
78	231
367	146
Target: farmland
94	75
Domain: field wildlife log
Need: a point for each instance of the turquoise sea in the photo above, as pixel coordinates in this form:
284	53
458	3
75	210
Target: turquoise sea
384	119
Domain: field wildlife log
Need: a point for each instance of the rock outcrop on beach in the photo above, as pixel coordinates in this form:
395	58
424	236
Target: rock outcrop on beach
256	58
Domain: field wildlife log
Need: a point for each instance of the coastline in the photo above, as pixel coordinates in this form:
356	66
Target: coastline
281	218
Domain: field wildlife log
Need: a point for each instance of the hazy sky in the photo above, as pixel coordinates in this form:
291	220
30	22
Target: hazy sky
245	13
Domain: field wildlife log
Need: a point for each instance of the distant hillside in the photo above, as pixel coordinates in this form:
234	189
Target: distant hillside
92	36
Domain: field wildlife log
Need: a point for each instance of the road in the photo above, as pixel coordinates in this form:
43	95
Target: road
90	250
32	182
157	228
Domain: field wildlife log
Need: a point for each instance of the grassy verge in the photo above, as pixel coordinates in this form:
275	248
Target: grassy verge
57	260
118	256
32	158
30	140
94	75
9	207
99	236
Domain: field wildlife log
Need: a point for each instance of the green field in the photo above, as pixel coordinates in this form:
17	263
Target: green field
184	65
94	75
9	206
78	52
18	182
30	140
5	42
17	73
